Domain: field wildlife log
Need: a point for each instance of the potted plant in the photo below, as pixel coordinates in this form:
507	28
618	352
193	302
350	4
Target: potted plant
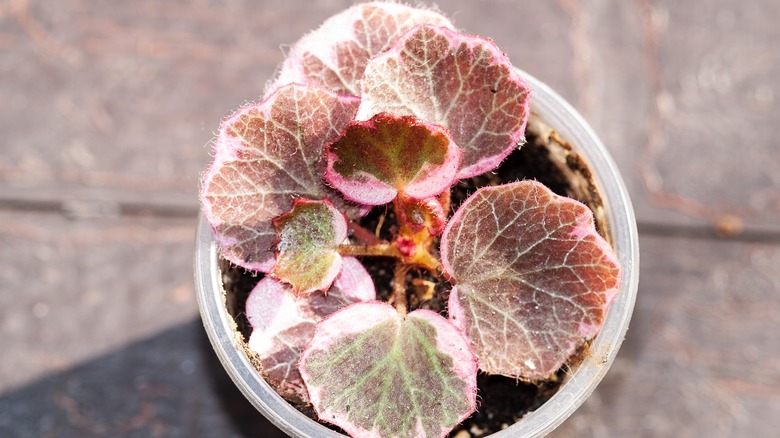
375	235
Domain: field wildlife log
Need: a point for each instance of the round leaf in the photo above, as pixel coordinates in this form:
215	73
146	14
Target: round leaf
266	155
283	323
375	373
335	54
533	277
462	82
308	237
377	159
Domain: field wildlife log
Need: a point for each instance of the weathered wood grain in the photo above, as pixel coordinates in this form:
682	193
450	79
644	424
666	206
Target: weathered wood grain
106	113
701	357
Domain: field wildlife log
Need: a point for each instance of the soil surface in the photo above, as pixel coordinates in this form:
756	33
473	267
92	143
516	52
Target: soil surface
502	400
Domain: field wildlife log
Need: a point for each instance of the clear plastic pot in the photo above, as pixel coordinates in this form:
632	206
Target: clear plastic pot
558	114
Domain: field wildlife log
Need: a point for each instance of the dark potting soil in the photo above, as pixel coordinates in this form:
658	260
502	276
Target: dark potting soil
502	400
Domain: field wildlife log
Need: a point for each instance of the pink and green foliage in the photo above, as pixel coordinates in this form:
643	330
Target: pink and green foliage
389	107
377	159
336	54
376	373
307	244
283	323
266	155
462	82
534	278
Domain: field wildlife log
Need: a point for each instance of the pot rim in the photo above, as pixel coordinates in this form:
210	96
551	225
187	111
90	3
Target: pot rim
561	116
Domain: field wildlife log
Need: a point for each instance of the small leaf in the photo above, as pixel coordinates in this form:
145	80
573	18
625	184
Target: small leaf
266	155
464	83
308	237
283	324
377	159
426	213
335	54
377	374
534	278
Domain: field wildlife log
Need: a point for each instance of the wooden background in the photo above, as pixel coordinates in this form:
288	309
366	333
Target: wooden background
108	108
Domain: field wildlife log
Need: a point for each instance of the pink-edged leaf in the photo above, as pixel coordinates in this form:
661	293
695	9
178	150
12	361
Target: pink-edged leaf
533	277
335	54
266	155
283	323
307	243
377	374
462	82
377	159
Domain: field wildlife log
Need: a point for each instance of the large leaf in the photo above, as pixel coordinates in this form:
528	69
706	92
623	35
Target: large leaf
266	155
377	159
462	82
533	277
335	54
283	324
377	374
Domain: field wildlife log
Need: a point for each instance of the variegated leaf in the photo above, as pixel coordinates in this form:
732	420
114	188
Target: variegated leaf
283	323
462	82
267	155
377	159
335	54
308	238
378	374
533	277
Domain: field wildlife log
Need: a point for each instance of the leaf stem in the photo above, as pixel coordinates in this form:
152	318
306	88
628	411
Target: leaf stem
445	199
432	264
379	224
398	297
379	250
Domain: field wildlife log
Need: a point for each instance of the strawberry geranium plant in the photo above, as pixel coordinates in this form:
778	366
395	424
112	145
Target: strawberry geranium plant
387	106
